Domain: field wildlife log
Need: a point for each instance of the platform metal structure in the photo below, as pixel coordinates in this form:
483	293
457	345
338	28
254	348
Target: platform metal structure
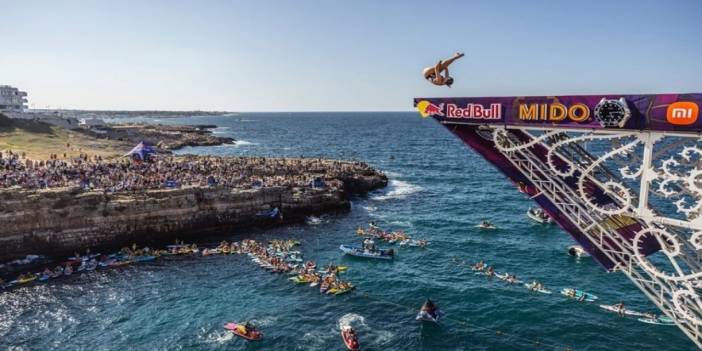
627	187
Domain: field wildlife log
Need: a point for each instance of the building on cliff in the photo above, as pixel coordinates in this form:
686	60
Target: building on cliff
12	99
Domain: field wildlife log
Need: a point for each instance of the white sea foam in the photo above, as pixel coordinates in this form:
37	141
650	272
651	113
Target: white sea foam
399	189
369	208
219	130
219	337
405	224
352	320
243	143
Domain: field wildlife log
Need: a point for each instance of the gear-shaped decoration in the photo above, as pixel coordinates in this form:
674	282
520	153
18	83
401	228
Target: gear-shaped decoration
671	246
680	297
696	241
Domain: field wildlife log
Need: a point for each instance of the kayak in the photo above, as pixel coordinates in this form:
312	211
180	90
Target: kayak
657	321
626	312
26	280
144	258
580	295
530	286
251	335
383	254
350	339
340	269
429	317
337	291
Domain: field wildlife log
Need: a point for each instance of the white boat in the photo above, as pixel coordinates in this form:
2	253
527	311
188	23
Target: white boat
539	216
577	251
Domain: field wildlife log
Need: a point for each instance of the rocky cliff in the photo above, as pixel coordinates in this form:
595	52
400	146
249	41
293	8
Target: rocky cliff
60	221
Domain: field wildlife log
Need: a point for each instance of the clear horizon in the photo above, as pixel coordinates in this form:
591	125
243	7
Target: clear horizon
265	56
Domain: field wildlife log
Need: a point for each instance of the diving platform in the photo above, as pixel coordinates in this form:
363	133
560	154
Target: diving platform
622	174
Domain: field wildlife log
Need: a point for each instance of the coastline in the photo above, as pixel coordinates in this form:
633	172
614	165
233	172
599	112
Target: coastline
59	221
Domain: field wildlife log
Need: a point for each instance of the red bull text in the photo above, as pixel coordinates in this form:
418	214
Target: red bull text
475	111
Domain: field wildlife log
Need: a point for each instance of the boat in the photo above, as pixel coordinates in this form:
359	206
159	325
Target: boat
577	251
350	338
538	215
241	331
662	320
578	295
355	250
615	309
532	287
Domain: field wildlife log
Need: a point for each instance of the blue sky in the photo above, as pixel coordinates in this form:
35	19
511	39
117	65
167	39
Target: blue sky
302	55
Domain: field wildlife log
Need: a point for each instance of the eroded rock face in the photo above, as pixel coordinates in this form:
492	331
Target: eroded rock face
61	221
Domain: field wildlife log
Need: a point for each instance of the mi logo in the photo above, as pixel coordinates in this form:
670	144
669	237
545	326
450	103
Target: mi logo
683	113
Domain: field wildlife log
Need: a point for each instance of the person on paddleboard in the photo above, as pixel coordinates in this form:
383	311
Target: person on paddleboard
439	74
620	308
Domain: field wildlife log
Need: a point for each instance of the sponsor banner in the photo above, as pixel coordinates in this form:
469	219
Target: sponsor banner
666	112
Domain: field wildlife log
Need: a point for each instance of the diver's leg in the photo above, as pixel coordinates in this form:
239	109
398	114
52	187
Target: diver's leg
449	61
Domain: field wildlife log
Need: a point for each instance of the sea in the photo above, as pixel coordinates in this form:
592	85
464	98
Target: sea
438	190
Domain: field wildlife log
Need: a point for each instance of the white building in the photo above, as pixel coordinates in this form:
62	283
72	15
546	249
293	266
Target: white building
12	99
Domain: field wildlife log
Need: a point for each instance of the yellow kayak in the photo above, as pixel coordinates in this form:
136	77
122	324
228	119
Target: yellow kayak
26	280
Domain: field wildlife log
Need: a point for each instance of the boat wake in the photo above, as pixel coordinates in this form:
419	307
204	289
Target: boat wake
219	337
351	320
399	189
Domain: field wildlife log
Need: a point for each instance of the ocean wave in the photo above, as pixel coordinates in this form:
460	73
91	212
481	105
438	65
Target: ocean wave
219	130
369	208
243	143
399	189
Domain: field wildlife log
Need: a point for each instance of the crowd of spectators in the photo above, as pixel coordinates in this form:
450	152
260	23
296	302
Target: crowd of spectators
94	173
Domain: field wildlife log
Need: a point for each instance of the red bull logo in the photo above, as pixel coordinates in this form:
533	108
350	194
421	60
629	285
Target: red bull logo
475	111
470	111
427	109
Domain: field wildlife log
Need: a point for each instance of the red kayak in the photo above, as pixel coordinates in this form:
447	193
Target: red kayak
350	338
250	334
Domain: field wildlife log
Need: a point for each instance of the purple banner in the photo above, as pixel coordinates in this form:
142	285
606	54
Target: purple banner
663	112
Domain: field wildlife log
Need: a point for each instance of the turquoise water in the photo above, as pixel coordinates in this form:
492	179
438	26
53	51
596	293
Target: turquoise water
438	191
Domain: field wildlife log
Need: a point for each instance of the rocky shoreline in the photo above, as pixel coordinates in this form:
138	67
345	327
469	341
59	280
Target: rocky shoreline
165	137
56	222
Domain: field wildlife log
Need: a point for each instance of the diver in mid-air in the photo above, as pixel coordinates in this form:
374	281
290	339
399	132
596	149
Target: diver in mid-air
439	74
